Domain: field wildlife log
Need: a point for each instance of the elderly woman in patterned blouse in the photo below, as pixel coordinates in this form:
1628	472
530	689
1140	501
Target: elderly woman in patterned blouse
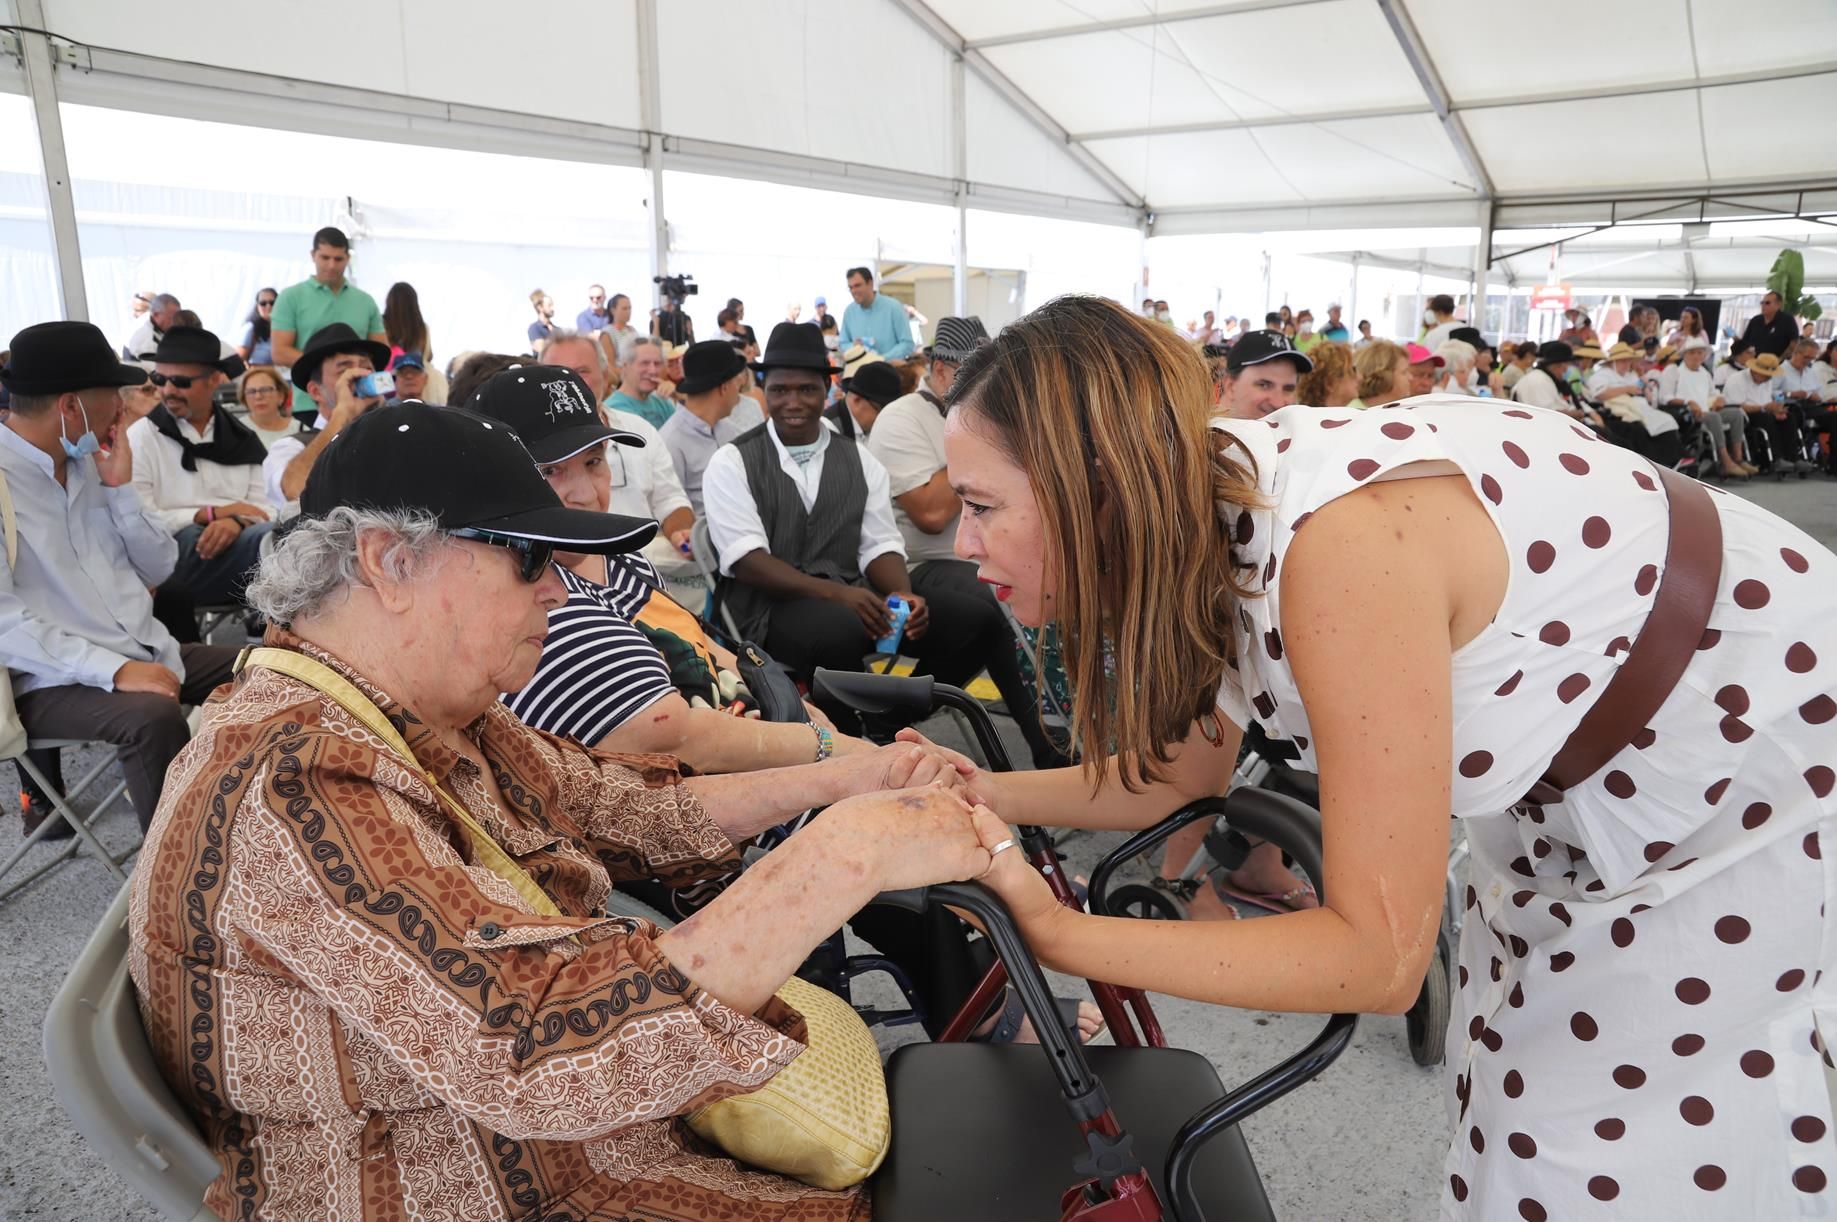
371	951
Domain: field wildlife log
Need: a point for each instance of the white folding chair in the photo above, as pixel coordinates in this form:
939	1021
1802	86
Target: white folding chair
63	811
709	564
102	1071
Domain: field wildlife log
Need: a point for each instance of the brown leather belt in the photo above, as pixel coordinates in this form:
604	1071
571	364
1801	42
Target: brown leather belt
1655	663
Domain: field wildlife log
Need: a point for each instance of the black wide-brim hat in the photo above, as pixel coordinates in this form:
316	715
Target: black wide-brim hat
708	364
796	345
330	340
465	469
876	381
54	358
194	346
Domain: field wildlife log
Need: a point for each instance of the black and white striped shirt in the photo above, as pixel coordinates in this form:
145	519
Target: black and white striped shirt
598	670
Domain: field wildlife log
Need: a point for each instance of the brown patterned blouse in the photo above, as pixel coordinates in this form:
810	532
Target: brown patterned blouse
368	1026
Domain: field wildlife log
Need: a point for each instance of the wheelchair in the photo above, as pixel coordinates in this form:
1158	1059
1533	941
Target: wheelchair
1264	781
968	1139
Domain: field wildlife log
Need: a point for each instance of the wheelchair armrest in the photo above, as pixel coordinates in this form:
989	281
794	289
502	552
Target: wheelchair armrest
870	693
1143	842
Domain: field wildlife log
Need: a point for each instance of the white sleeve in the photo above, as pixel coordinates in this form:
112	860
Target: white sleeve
1668	384
275	466
143	439
900	444
879	533
734	525
666	494
1538	392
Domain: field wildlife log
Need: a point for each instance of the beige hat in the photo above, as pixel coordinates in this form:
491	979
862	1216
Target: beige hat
1765	365
1588	352
857	356
1696	343
1622	352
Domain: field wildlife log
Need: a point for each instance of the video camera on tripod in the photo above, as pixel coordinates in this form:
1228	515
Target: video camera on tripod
676	288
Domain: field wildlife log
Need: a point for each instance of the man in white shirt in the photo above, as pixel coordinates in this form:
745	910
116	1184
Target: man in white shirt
908	439
802	521
713	412
88	660
1546	384
328	371
1801	384
152	329
1440	321
199	470
1688	385
1754	391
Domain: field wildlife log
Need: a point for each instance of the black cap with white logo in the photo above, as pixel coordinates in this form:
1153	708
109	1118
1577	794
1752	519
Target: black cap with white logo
550	408
1257	347
465	469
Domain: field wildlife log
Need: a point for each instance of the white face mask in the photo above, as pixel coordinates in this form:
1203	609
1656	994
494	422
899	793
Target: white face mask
1428	316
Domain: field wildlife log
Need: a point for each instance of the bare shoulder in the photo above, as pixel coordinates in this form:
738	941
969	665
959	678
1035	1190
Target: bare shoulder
1423	543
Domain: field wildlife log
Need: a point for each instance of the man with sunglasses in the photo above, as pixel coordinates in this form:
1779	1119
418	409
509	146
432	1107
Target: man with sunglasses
199	469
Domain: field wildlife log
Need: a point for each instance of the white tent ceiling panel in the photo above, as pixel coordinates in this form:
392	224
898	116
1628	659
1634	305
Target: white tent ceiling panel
1794	32
1574	145
1759	130
1556	46
789	54
1197	168
1004	148
1001	18
1402	156
437	49
1112	79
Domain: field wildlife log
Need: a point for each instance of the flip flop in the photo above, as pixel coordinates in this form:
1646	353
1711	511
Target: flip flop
1268	901
1008	1025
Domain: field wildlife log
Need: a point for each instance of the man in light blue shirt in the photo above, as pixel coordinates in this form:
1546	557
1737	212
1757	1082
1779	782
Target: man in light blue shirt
87	658
875	319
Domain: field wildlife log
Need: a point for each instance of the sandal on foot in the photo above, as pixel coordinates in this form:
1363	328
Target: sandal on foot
1008	1023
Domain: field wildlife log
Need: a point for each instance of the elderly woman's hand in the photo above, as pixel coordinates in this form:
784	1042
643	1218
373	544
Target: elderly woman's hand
907	764
913	837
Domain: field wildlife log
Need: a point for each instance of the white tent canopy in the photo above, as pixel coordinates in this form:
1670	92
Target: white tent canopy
1144	117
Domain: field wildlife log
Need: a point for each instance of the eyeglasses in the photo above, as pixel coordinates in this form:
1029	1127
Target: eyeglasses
264	301
535	554
180	380
249	392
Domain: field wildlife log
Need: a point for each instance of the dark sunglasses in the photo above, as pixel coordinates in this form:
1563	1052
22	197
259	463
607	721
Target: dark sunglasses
180	380
264	301
535	554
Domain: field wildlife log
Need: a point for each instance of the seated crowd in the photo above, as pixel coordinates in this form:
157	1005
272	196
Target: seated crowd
486	690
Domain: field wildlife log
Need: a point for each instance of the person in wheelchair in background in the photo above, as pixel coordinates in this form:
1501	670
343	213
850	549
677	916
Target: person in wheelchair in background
366	928
606	680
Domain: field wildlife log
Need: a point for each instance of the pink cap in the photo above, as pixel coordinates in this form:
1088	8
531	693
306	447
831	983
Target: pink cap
1419	354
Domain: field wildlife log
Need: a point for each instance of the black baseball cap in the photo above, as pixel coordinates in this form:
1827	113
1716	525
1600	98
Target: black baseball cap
467	470
1256	347
550	409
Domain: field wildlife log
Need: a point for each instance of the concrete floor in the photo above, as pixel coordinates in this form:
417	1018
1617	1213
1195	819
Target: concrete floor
1364	1141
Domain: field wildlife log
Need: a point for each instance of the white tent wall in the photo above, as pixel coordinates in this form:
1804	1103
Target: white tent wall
28	264
1058	256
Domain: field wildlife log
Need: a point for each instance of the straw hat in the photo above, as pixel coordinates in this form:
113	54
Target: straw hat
1766	365
1695	344
1589	352
1619	352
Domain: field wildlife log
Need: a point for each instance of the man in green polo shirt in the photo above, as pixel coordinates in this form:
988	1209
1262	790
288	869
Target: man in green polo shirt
303	308
637	394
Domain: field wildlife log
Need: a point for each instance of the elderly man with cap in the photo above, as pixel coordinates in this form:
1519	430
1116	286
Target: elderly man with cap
1262	372
327	371
411	379
367	934
77	631
199	469
802	521
1688	386
715	410
1619	386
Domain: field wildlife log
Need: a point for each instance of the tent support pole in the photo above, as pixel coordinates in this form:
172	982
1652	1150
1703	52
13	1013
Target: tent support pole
60	199
1482	264
651	120
959	151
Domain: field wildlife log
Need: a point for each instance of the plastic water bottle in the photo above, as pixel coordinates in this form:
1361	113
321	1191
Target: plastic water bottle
901	611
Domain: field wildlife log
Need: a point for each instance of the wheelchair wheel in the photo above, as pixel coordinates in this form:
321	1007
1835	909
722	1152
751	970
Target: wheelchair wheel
1427	1020
1145	903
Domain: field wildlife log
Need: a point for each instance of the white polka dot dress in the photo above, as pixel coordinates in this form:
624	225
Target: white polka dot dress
1641	1013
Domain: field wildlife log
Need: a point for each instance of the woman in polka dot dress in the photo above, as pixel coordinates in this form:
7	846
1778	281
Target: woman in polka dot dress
1426	600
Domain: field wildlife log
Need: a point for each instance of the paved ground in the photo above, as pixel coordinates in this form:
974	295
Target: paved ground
1362	1142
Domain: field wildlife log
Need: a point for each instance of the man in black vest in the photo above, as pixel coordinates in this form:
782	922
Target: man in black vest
802	521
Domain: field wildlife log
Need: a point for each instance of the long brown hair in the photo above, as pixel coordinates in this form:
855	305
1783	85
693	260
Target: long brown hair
1109	416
